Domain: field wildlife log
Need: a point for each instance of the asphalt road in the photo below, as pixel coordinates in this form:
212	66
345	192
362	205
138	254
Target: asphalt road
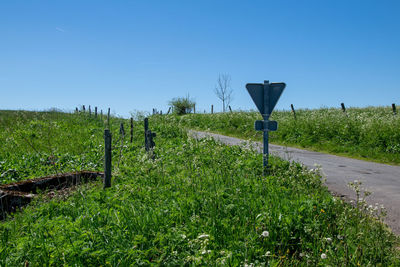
382	180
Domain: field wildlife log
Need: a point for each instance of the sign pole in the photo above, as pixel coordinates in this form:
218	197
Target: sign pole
265	131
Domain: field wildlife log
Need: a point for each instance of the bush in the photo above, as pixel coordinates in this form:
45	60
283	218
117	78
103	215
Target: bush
182	105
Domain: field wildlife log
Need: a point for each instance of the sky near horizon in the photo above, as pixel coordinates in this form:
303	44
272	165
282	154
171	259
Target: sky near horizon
138	55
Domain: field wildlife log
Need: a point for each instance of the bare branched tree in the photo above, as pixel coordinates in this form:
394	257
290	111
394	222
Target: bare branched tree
223	90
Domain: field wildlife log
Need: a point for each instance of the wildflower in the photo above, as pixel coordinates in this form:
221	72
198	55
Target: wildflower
323	256
265	234
328	239
203	236
268	253
322	210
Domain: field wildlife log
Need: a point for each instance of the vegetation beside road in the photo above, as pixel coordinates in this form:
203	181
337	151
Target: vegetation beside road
197	203
371	133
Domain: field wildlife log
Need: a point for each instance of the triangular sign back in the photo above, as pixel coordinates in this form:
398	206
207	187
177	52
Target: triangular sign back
274	91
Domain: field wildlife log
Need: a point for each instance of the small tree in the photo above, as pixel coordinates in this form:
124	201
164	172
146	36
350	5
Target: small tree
223	90
182	105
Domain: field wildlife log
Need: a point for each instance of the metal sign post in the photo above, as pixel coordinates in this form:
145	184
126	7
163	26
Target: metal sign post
265	96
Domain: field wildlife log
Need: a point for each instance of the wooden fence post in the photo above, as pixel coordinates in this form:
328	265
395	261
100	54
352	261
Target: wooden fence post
394	109
95	112
230	109
131	130
107	158
194	108
146	128
108	118
343	107
212	109
294	112
83	108
90	111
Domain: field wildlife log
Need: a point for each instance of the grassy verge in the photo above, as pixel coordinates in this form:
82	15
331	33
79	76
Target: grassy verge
365	133
36	144
197	203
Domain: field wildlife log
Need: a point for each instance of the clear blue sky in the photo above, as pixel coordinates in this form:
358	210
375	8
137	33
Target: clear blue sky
136	55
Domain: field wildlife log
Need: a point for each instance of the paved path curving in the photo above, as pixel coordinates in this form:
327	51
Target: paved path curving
380	179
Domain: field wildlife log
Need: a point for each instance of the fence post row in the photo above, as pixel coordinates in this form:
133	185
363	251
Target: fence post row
294	112
107	159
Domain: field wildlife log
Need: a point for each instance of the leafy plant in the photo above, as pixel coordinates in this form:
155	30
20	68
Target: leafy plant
182	105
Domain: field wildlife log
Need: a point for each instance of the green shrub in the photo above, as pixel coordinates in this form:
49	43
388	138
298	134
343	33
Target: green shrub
182	105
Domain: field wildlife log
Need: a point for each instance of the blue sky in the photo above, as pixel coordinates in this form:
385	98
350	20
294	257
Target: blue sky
136	55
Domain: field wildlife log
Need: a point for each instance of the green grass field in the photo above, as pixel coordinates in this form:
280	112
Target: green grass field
371	133
196	203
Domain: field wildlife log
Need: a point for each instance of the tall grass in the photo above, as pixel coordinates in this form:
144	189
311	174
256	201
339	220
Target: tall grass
197	203
370	133
44	143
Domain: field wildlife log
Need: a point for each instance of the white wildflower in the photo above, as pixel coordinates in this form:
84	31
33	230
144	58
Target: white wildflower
265	234
328	239
323	256
203	236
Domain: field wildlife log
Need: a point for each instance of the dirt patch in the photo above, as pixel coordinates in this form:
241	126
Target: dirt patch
16	195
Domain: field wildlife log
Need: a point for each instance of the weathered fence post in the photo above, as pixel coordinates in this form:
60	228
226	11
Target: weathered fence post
90	111
394	109
343	107
294	112
122	130
83	108
108	118
146	128
148	138
131	130
122	133
95	112
212	109
230	109
101	114
107	158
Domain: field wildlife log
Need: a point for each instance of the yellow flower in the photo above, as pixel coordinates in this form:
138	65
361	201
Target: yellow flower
322	210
